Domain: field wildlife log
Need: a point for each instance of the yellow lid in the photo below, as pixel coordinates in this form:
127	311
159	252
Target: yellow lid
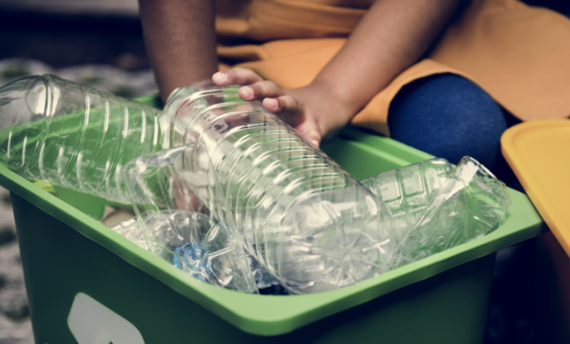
539	154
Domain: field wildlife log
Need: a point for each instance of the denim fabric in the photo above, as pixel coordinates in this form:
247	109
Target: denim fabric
449	116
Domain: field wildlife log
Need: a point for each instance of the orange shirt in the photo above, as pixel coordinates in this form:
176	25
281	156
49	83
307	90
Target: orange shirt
519	54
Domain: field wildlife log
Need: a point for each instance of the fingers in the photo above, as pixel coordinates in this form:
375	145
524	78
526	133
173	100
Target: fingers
285	103
290	110
260	90
311	132
273	97
256	88
241	76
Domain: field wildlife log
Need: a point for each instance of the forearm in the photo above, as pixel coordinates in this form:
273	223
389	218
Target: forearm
180	41
391	36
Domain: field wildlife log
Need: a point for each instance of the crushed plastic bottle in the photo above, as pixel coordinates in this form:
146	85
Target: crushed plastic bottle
469	204
194	244
266	283
131	230
305	220
408	192
436	206
199	256
74	136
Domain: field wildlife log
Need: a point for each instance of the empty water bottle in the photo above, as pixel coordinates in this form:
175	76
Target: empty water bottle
436	206
468	205
266	283
308	222
408	191
194	244
75	136
131	230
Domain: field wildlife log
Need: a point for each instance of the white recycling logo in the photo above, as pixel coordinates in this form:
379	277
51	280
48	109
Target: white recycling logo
91	322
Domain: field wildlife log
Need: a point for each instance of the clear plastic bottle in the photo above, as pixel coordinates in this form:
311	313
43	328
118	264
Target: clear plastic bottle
437	206
471	203
308	222
195	244
408	191
75	136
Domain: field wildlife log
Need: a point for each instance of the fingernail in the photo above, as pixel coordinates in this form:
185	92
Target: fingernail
220	76
315	142
248	92
272	104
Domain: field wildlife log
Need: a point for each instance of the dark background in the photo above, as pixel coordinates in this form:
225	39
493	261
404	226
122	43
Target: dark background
62	40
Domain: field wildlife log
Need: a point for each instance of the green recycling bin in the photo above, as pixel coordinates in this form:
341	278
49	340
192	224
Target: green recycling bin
87	284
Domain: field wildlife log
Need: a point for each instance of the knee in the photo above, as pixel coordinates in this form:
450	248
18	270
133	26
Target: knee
448	116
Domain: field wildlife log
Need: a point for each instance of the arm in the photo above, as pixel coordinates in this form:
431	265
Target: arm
391	36
181	41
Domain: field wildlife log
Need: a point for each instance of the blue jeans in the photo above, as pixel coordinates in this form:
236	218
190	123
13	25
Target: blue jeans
449	116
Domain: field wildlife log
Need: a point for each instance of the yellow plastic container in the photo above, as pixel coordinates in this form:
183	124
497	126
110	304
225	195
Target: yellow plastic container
539	154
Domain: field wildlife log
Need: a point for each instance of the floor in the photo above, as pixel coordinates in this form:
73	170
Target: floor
15	324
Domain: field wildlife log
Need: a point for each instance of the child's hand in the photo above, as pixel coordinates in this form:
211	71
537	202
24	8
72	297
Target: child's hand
310	110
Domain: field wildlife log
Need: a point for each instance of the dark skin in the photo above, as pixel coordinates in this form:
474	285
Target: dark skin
392	35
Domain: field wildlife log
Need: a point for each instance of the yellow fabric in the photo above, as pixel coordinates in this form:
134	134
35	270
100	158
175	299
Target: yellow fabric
266	20
519	54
